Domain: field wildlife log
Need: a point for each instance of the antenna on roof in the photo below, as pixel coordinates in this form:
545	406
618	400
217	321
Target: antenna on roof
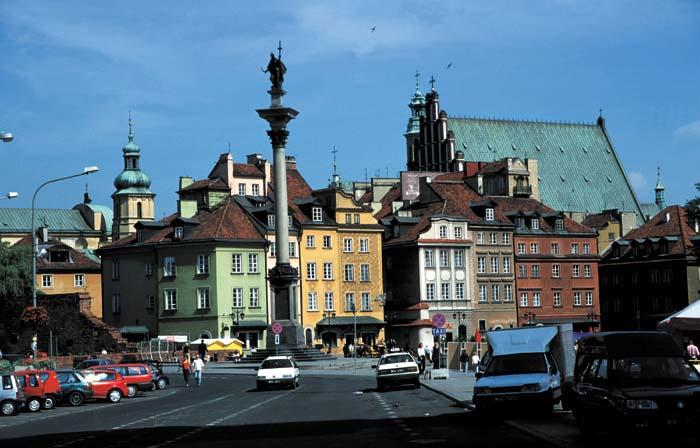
366	179
334	151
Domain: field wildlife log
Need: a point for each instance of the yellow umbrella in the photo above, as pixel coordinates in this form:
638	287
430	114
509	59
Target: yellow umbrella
228	345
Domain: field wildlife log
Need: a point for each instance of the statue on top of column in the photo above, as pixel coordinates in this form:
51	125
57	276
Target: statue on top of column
276	69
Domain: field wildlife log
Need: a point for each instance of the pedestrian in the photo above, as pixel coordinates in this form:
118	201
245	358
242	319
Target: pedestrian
475	361
104	351
186	370
693	351
202	350
346	350
421	358
186	350
463	361
198	365
436	356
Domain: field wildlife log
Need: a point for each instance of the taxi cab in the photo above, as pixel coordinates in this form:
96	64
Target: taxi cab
278	370
397	368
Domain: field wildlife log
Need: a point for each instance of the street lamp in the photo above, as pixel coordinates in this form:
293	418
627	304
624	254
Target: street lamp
461	319
10	195
6	137
86	171
330	315
237	315
530	316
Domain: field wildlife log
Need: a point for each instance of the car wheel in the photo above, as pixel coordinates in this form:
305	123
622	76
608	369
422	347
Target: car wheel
33	405
416	384
162	384
114	396
583	421
154	386
75	398
8	408
260	387
294	384
49	402
380	386
132	391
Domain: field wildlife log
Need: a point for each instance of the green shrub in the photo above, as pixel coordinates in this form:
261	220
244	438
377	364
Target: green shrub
6	366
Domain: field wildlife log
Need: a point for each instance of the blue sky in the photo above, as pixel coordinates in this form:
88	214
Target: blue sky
191	77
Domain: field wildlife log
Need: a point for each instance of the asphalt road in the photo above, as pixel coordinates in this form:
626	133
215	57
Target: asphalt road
325	411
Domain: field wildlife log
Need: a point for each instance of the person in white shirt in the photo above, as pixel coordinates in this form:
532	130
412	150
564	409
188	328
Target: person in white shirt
475	361
198	366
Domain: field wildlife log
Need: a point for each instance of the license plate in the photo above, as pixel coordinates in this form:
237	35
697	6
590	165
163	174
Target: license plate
274	381
506	398
395	370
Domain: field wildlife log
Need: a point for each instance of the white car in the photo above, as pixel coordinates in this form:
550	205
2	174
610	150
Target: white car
278	370
397	368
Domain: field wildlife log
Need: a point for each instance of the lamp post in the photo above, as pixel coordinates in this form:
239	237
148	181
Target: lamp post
530	316
237	315
353	310
330	315
6	137
461	319
86	171
10	195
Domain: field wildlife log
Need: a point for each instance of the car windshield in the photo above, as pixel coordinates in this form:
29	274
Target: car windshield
652	368
276	364
520	363
395	359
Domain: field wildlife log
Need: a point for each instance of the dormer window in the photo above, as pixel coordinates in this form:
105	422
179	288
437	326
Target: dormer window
559	224
179	231
443	231
139	236
520	222
316	214
271	221
535	224
458	233
290	220
59	256
489	214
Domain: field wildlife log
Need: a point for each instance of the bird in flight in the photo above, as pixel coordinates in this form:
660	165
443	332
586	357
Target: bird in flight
374	28
449	65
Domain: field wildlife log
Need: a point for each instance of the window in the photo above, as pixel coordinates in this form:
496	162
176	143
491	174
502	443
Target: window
312	304
506	265
519	223
459	291
202	298
482	293
116	304
577	299
356	218
79	280
555	248
348	218
365	302
521	248
273	249
507	293
115	270
494	265
328	301
241	189
587	270
430	291
559	225
494	238
253	263
480	238
481	265
170	299
169	268
534	248
47	281
506	238
236	265
611	236
444	258
202	264
589	298
429	260
316	214
271	221
535	224
443	231
179	231
459	258
256	189
349	301
575	271
555	271
445	291
149	269
327	242
150	302
328	271
522	271
494	293
364	245
586	248
535	271
254	298
139	210
237	297
489	214
347	245
556	301
311	271
293	249
291	220
523	299
458	232
310	241
536	299
349	273
364	272
574	248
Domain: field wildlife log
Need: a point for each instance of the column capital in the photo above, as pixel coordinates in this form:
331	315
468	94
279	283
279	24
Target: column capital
278	137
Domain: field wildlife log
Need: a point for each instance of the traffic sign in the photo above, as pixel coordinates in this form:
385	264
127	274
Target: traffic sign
277	339
277	328
439	331
439	320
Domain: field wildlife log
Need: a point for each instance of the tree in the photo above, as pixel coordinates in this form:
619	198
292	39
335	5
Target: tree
692	207
15	293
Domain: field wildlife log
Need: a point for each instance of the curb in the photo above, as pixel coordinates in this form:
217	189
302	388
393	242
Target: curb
463	403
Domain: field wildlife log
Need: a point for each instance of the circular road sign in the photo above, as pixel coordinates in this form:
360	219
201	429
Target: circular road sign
439	320
277	328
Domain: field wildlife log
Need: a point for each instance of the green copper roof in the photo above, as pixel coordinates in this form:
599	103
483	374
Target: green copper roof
659	184
107	214
58	220
134	191
650	210
578	167
131	147
132	179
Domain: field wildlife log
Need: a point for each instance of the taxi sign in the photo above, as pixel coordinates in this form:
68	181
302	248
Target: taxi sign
439	320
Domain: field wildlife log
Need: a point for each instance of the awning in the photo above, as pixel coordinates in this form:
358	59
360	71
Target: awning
251	324
230	345
344	321
134	329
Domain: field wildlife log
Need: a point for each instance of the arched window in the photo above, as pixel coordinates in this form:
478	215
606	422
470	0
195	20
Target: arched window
206	334
139	210
309	337
462	332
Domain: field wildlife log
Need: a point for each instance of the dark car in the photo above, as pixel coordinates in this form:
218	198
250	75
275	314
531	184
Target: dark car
634	379
96	362
160	379
74	388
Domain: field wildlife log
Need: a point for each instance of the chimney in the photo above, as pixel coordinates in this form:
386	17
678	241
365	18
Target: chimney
291	162
668	217
254	159
185	181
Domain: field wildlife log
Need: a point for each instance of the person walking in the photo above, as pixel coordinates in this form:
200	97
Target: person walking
436	356
421	358
692	350
202	350
186	370
198	365
475	361
463	361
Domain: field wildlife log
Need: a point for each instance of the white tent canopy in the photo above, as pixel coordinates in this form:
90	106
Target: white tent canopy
687	319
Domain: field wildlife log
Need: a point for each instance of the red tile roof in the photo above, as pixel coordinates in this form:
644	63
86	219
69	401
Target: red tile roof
394	194
365	198
677	226
78	260
212	184
599	220
247	170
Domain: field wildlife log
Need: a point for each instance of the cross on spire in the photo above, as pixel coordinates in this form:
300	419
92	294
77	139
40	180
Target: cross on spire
600	112
334	151
432	83
279	50
417	75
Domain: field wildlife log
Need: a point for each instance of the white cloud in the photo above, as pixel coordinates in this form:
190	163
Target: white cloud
638	181
690	130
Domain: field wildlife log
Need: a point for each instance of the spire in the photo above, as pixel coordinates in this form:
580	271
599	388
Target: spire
86	196
659	190
131	147
336	177
432	83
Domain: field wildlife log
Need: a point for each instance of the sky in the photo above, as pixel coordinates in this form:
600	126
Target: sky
191	76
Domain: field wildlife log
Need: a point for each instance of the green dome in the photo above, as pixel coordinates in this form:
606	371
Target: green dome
132	179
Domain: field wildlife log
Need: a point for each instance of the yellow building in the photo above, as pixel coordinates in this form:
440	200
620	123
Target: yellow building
341	267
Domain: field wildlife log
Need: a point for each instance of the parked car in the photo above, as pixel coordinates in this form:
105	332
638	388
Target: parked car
160	379
397	368
635	379
139	376
107	384
97	362
52	388
33	389
74	388
278	370
11	395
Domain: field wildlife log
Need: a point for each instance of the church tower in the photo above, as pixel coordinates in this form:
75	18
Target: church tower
659	190
412	134
133	199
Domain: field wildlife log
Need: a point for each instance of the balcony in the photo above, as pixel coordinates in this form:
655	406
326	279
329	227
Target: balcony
522	191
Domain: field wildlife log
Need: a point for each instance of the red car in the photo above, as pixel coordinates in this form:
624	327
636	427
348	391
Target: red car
52	388
33	389
106	384
138	376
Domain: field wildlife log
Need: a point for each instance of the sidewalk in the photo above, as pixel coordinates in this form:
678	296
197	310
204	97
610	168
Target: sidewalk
459	387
